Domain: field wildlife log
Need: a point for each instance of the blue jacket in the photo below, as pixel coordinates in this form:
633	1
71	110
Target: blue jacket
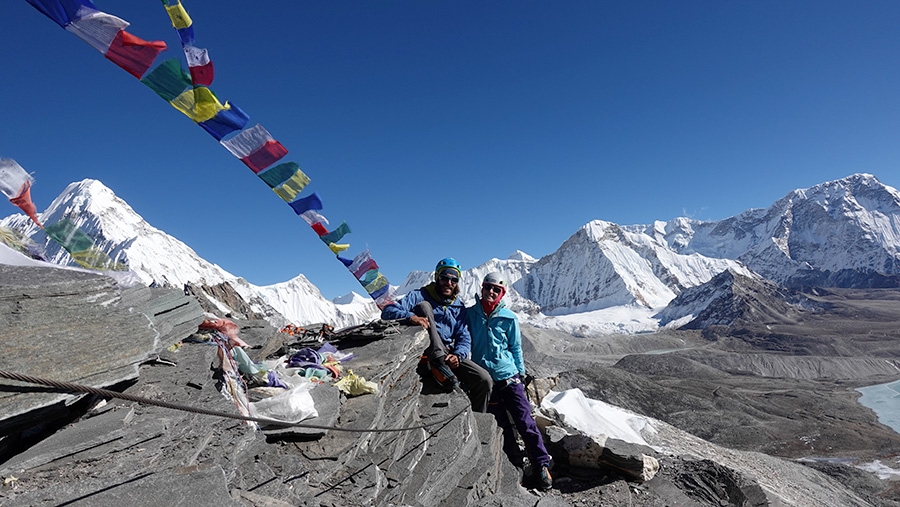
496	341
449	318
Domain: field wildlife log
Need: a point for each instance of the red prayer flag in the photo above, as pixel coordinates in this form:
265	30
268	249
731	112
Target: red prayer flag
134	54
320	229
202	75
23	201
364	267
266	155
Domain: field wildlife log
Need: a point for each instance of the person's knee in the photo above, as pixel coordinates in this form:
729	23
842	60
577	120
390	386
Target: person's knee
423	309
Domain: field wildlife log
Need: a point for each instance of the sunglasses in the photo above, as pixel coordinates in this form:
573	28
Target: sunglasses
492	288
449	279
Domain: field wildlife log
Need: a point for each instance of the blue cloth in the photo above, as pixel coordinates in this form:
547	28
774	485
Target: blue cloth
496	341
449	317
62	12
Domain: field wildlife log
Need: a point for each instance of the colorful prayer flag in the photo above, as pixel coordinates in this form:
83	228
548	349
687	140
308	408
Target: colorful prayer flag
23	201
168	79
320	229
134	54
266	155
248	141
186	35
336	248
179	16
369	277
13	178
278	174
293	186
364	267
360	259
379	282
62	12
226	121
69	236
311	202
199	64
337	234
312	217
198	104
98	29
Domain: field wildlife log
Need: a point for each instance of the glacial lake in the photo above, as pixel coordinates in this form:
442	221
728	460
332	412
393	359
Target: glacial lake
884	400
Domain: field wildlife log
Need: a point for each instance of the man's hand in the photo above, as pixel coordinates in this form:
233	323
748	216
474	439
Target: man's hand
422	321
452	360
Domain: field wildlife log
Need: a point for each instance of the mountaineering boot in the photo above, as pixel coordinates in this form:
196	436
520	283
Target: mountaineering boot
544	480
442	373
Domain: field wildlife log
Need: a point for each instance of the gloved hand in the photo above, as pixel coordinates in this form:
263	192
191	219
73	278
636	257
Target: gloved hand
527	379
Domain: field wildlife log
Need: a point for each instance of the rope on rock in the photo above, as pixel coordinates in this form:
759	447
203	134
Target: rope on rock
76	388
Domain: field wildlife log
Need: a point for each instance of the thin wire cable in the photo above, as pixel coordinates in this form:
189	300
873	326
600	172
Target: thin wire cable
77	388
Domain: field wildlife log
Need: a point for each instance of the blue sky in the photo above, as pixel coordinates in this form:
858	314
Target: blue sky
460	128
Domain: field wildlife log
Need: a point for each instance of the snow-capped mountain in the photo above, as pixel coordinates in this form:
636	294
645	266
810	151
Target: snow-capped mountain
157	258
839	233
604	265
119	231
843	233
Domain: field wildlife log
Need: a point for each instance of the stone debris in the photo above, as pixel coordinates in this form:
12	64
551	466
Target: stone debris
58	448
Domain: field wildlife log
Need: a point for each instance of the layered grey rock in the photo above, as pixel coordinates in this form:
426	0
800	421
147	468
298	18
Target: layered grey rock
121	452
80	327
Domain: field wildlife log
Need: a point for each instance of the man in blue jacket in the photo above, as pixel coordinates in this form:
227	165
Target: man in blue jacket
437	308
497	346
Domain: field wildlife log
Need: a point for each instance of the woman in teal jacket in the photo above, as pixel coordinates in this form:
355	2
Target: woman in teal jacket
497	347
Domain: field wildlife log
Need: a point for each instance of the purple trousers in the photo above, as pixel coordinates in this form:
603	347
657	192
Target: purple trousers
511	399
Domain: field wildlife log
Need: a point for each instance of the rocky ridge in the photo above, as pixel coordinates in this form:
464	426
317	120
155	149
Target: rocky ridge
101	451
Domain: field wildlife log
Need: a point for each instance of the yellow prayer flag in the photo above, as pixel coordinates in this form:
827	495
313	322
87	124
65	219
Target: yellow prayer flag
338	248
376	284
179	16
97	259
198	104
293	186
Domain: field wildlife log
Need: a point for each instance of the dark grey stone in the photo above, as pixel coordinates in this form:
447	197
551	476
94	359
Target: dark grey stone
79	327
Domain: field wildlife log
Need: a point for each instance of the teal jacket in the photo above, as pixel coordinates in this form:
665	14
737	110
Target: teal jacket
496	341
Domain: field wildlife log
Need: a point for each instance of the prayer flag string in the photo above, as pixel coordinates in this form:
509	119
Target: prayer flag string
15	184
189	93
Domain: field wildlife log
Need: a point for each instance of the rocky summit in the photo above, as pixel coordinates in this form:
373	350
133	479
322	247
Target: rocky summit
725	419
